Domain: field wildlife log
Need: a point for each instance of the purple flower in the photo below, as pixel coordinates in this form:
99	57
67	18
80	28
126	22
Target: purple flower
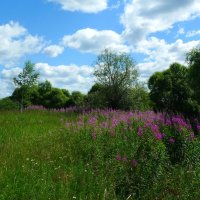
134	163
198	127
192	136
94	136
140	133
118	157
125	159
171	140
158	136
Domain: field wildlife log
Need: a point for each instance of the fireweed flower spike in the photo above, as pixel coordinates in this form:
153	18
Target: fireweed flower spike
118	157
134	163
139	133
158	136
125	159
171	140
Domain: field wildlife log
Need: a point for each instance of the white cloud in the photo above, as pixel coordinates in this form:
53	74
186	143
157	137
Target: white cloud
15	42
71	77
94	41
193	33
141	17
161	54
87	6
53	50
6	80
181	31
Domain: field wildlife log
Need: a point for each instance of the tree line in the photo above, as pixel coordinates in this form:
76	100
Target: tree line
175	90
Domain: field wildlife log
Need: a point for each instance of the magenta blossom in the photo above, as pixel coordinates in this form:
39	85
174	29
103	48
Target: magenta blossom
94	136
125	159
118	157
192	136
139	133
171	140
134	163
158	136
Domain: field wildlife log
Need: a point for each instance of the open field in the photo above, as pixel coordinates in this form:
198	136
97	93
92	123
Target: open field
97	155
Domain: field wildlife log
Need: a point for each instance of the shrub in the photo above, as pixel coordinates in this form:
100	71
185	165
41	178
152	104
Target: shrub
8	104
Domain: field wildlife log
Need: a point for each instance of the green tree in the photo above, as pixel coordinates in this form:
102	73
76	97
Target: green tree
44	87
55	99
193	59
138	98
117	74
76	99
25	80
8	104
66	93
95	97
170	91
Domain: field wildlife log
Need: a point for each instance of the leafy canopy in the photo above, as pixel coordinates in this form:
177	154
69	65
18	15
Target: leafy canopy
116	73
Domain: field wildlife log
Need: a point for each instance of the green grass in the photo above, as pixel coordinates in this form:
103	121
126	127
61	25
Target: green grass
38	159
41	159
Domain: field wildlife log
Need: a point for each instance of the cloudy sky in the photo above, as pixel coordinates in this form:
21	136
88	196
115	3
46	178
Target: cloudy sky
63	37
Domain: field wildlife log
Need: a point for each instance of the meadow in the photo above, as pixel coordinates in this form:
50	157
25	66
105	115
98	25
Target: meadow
98	154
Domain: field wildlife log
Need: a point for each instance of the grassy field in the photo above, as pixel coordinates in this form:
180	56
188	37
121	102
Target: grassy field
102	155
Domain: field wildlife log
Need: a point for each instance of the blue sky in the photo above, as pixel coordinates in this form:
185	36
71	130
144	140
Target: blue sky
63	37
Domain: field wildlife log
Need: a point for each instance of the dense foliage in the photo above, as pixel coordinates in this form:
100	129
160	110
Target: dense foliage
176	90
8	104
25	80
117	75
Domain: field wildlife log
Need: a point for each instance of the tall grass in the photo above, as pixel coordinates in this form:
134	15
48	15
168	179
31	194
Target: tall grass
97	155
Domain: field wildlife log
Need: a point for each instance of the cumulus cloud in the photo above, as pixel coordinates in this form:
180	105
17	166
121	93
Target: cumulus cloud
53	50
142	18
87	6
15	42
6	80
71	77
94	41
161	54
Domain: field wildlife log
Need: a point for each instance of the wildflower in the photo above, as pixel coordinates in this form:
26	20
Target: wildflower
134	163
168	122
198	127
179	129
192	136
118	157
158	136
125	159
139	133
94	136
171	140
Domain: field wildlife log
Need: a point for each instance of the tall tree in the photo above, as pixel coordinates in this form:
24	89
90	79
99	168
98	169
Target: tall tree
25	80
116	73
193	59
170	91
